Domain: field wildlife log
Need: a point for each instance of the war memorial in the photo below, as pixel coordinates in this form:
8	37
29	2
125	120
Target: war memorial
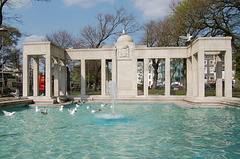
124	56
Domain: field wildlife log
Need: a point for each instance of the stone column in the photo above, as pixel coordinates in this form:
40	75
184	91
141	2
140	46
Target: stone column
25	75
48	79
167	77
63	78
114	68
56	76
201	74
189	77
195	75
134	77
103	76
228	73
219	76
36	76
145	75
83	78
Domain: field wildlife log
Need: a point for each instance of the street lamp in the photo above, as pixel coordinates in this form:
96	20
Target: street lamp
2	29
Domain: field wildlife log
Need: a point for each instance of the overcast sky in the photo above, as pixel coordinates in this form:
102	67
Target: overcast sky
41	18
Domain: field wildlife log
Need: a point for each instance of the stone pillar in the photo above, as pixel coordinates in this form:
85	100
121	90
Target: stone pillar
219	76
83	78
114	68
145	75
36	76
134	77
201	73
189	77
167	77
56	77
63	78
228	73
48	79
103	76
195	75
25	75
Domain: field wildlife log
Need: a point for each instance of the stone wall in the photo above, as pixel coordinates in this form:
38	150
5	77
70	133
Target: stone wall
14	103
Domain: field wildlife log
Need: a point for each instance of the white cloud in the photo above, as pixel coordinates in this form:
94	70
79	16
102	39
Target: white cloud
35	38
153	8
85	3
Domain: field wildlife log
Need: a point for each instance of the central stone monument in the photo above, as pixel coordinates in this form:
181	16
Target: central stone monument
125	65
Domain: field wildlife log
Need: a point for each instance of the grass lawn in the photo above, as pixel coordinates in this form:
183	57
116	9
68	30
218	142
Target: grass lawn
181	92
210	93
236	94
75	93
93	92
159	92
155	91
213	93
87	93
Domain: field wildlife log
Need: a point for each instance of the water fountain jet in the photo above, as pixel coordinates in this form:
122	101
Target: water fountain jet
113	92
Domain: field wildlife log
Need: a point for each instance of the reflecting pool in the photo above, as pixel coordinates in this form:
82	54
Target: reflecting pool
135	131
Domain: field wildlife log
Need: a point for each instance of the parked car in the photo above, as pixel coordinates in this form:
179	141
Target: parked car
7	90
160	86
207	87
176	87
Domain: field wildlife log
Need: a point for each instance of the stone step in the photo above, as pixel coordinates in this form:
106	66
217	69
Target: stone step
233	104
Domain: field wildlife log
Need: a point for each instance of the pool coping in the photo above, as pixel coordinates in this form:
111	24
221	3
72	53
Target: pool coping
180	101
15	103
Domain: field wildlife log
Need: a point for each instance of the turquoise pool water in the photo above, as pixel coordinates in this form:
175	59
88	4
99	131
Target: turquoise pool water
138	131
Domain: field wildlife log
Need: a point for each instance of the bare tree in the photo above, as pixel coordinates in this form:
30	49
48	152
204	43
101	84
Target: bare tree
12	59
62	38
108	26
150	36
9	4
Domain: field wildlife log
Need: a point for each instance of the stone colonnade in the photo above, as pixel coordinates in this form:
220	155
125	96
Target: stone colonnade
124	56
49	52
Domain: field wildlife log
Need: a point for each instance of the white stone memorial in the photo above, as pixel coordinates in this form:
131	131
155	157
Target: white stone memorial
124	56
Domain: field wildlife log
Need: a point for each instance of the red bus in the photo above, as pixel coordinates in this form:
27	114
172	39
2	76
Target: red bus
42	82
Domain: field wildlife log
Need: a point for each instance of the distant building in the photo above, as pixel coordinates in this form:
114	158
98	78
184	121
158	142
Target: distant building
209	68
11	80
178	77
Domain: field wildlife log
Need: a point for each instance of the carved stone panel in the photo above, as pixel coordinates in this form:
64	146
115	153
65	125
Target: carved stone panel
124	53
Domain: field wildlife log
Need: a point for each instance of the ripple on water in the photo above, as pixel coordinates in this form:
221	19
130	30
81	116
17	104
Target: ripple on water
110	116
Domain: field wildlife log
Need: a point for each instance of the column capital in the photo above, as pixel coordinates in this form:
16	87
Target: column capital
55	60
63	62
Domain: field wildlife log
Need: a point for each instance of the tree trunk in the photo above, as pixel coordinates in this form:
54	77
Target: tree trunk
184	74
155	63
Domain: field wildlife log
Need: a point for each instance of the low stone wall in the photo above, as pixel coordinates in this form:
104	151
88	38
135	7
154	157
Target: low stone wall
233	104
15	103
